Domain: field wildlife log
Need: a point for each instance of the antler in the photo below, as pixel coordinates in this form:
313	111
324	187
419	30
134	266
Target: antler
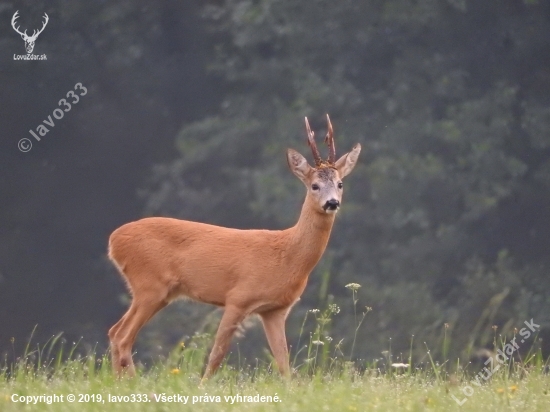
15	17
36	33
311	143
329	140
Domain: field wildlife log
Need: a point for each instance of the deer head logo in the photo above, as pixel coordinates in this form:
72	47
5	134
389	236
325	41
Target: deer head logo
29	40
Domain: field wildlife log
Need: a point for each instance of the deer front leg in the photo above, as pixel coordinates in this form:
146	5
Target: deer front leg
231	319
274	326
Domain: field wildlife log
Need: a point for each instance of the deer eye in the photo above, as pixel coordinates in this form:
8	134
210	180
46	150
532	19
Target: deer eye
314	186
340	185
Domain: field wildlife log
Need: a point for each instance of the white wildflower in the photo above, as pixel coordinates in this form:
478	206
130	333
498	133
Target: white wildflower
333	308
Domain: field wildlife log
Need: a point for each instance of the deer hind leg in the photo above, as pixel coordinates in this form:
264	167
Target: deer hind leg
125	331
115	352
231	319
274	327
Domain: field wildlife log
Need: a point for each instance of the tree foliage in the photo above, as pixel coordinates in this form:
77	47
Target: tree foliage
446	219
450	100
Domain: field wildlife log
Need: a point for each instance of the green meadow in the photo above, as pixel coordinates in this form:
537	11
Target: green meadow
88	384
56	377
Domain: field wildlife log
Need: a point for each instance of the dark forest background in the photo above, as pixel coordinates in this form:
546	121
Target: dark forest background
189	110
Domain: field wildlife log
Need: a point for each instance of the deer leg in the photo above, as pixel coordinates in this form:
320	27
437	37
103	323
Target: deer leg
231	319
141	311
274	327
115	353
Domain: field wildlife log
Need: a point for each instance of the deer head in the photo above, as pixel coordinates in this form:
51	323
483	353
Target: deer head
324	181
29	40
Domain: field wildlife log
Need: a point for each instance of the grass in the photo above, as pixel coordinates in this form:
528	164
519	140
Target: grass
325	380
91	381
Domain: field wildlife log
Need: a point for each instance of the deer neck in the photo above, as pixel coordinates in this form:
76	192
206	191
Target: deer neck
308	238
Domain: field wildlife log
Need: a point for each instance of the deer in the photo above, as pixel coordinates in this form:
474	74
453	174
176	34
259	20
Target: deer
29	40
246	272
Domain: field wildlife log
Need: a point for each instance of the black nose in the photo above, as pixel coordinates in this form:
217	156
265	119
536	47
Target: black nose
332	204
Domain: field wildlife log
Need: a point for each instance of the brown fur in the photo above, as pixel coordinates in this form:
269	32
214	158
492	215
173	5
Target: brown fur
244	271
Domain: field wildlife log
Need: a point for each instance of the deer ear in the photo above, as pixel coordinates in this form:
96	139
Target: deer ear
348	161
298	164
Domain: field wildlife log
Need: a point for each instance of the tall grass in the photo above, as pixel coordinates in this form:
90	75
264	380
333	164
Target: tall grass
327	379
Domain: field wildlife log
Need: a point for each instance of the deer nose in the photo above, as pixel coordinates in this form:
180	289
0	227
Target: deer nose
332	204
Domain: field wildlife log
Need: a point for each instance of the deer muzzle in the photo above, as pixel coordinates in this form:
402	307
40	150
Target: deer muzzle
331	205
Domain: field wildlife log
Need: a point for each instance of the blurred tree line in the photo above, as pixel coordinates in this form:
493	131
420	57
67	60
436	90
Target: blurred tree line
446	219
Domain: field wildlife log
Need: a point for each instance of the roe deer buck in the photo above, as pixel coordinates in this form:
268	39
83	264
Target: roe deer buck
260	272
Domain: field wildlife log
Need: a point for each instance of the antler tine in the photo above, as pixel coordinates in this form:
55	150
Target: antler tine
313	145
37	32
13	19
46	20
329	140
